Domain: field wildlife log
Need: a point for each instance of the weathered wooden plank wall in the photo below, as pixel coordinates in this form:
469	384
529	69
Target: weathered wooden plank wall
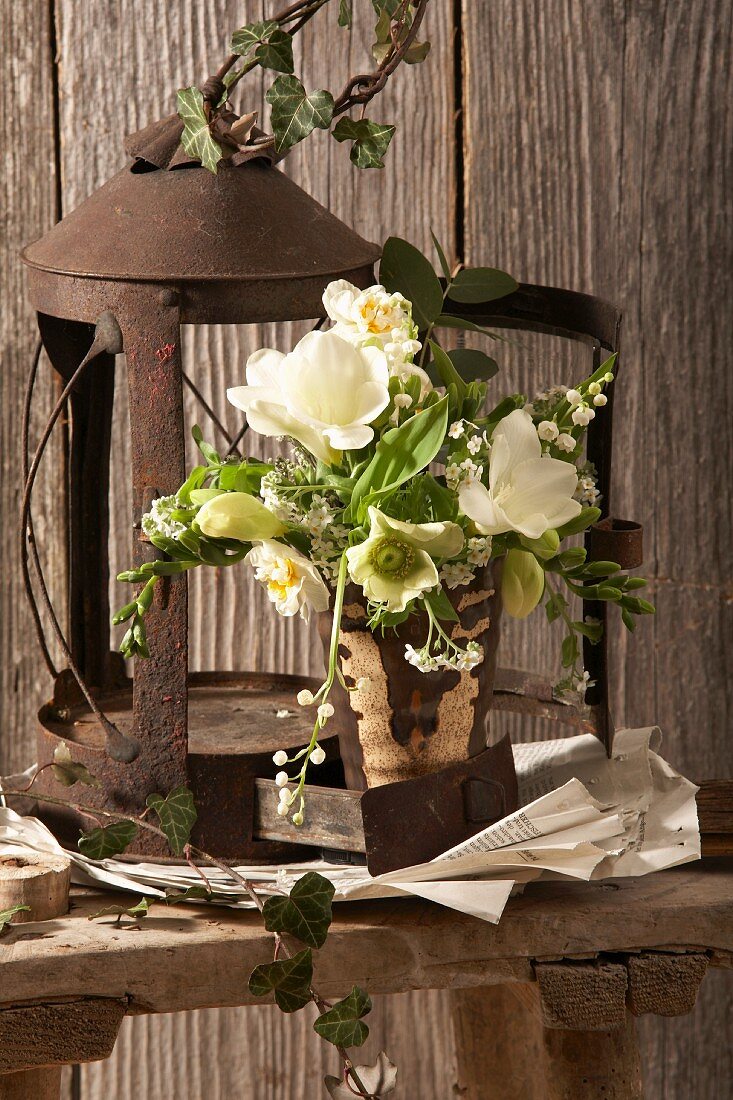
596	154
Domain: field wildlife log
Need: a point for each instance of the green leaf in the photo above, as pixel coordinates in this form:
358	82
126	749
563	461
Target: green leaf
196	138
371	140
570	651
481	284
67	772
192	893
342	1025
295	113
288	979
6	915
441	606
592	631
401	453
177	815
444	265
404	268
345	13
110	840
388	6
416	52
602	568
212	457
306	913
447	320
135	912
267	43
446	370
473	365
628	620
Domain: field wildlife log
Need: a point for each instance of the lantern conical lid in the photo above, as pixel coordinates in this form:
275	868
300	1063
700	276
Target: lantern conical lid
246	223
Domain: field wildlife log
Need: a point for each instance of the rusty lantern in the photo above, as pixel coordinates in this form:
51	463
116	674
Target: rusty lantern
154	248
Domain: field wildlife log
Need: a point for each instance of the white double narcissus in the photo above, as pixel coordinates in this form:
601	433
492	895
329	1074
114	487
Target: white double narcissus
395	564
235	516
528	492
293	583
324	393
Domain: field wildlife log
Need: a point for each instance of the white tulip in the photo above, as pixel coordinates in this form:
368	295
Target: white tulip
293	583
325	393
528	492
394	565
238	516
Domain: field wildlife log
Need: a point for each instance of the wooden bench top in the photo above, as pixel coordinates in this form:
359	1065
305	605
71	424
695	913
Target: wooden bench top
191	956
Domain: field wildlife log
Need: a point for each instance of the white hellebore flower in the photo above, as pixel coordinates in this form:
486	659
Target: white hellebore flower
238	516
528	492
293	583
395	564
325	393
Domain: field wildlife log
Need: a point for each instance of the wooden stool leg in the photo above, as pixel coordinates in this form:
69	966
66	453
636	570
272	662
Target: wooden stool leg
499	1049
585	1065
31	1084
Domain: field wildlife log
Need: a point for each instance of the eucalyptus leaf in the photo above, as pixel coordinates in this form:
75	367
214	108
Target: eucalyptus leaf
288	979
177	815
481	284
448	320
444	265
446	370
107	840
196	138
473	365
295	113
6	915
416	52
306	913
342	1025
67	772
403	268
401	453
371	140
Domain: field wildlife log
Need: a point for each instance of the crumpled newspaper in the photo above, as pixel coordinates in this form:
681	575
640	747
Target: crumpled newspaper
582	816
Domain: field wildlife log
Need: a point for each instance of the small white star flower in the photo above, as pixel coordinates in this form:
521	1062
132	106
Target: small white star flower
479	551
455	574
474	444
456	430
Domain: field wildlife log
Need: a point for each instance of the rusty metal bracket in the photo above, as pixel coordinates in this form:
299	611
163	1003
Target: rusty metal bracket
619	540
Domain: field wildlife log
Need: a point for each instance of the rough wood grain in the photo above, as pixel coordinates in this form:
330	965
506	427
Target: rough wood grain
498	1037
39	881
586	1065
582	996
666	985
27	209
599	151
57	1034
385	946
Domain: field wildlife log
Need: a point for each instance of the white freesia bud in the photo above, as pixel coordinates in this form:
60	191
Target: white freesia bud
522	583
305	697
574	397
238	516
318	755
280	758
282	779
325	711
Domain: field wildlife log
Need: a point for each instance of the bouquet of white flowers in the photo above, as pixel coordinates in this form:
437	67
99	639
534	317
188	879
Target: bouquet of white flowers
371	407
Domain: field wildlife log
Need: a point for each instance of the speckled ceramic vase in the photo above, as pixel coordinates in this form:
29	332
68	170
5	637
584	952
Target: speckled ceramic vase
408	723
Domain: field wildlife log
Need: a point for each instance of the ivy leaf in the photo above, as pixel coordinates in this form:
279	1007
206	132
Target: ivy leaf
481	284
473	365
288	979
306	913
196	138
177	815
404	268
371	140
388	6
134	912
192	893
342	1025
267	43
295	113
401	453
110	840
383	31
416	52
377	1079
345	13
67	772
6	915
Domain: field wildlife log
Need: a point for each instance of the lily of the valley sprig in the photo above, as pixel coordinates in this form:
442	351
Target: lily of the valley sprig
371	406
